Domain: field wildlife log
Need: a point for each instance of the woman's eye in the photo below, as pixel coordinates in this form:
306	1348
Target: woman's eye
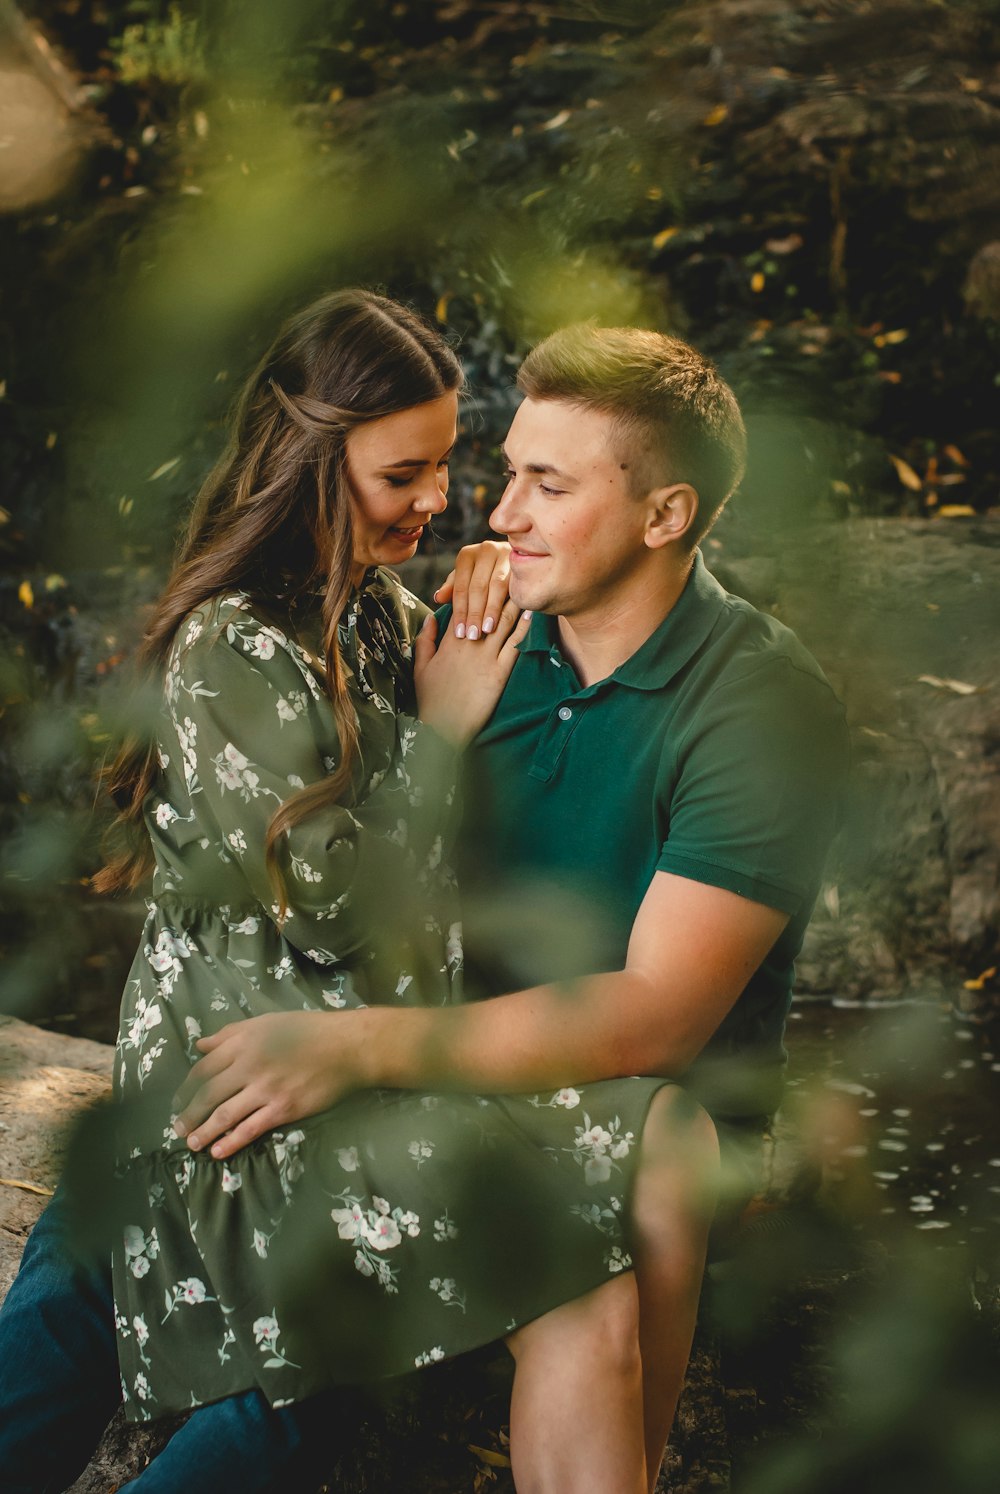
399	482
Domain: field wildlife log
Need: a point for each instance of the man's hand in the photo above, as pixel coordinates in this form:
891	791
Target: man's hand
457	686
265	1072
477	588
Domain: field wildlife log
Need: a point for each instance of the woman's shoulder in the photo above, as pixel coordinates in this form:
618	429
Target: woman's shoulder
233	622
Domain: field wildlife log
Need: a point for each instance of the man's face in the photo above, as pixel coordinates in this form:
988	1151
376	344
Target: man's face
575	529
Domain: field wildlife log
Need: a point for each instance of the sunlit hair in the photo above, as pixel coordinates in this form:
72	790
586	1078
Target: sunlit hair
273	519
677	419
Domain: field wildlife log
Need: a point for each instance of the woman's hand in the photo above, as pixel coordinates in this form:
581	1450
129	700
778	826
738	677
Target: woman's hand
477	588
265	1072
458	686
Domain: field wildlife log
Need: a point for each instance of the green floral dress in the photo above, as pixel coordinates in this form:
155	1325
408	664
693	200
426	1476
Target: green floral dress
398	1228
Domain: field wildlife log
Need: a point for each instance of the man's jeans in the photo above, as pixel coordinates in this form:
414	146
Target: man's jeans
59	1388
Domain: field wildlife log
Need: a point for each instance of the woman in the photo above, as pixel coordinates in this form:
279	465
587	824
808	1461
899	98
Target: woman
295	814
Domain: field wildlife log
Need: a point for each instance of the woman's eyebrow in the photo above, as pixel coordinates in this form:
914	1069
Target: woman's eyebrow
418	461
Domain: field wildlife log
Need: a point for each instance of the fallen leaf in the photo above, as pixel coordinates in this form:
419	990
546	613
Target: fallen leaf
558	120
664	235
831	900
757	282
949	479
163	469
956	511
26	1186
533	196
933	606
441	310
493	1459
51	440
956	456
785	246
716	115
26	595
906	474
4	516
958	687
54	582
889	339
890	376
980	980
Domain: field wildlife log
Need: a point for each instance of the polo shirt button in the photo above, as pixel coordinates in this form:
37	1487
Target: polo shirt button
565	714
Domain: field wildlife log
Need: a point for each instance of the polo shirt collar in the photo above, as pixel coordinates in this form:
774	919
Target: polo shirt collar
665	651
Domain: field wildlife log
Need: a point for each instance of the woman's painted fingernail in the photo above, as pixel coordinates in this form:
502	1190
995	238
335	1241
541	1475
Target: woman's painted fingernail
488	625
460	630
473	632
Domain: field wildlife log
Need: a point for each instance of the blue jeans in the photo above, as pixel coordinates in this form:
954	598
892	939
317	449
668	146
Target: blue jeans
59	1388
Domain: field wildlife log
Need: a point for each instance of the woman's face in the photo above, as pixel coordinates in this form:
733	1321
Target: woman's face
397	473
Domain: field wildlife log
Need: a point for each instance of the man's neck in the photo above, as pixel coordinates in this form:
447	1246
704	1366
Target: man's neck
597	641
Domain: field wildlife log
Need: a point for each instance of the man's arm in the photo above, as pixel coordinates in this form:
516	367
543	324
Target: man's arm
692	950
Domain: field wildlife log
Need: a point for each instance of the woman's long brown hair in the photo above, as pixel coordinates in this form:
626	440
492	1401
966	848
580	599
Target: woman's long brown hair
273	519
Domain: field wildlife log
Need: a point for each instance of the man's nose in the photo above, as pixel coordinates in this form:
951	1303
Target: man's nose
508	517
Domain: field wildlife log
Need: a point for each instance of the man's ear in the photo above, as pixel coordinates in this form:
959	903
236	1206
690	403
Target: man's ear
671	511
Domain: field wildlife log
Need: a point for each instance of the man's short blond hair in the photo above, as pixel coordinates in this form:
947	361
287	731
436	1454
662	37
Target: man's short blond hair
677	419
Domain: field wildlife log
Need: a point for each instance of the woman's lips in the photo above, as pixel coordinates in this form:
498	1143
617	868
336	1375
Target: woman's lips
414	532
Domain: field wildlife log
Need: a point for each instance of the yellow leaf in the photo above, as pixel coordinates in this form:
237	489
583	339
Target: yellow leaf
956	511
906	474
54	582
50	440
26	595
4	516
335	95
493	1459
949	479
664	235
26	1186
933	606
163	469
441	310
716	115
654	193
558	120
958	687
533	196
900	335
980	981
951	451
757	282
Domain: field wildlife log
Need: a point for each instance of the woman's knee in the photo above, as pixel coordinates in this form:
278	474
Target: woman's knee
679	1132
603	1324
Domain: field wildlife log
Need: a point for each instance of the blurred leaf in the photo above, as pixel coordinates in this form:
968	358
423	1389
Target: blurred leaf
716	115
979	982
493	1459
955	455
757	282
665	234
26	1186
558	120
956	511
906	474
163	469
958	687
25	594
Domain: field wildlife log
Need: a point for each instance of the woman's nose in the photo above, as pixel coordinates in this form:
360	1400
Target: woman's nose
434	498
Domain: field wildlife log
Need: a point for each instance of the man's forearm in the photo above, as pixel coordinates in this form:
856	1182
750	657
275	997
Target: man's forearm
595	1028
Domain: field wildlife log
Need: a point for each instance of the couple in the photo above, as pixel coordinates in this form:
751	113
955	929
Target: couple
338	1166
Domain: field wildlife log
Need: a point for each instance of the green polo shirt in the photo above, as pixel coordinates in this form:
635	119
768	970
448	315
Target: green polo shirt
718	752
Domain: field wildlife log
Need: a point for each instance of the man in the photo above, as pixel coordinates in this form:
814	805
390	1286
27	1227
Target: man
665	761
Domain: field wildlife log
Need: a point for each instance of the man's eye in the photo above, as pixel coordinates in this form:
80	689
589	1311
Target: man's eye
550	492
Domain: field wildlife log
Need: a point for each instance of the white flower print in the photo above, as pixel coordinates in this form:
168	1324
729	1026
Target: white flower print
238	841
139	1267
420	1151
618	1260
260	1243
347	1156
567	1097
191	1292
141	1331
248	925
261	645
165	814
231	1181
336	999
599	1150
448	1292
430	1356
266	1334
282	968
374	1231
445	1228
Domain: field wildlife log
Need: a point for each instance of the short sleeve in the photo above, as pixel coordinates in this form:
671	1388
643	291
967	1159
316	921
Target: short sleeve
253	726
758	787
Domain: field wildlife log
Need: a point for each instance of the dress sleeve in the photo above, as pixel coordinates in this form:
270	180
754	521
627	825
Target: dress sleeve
254	725
759	788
